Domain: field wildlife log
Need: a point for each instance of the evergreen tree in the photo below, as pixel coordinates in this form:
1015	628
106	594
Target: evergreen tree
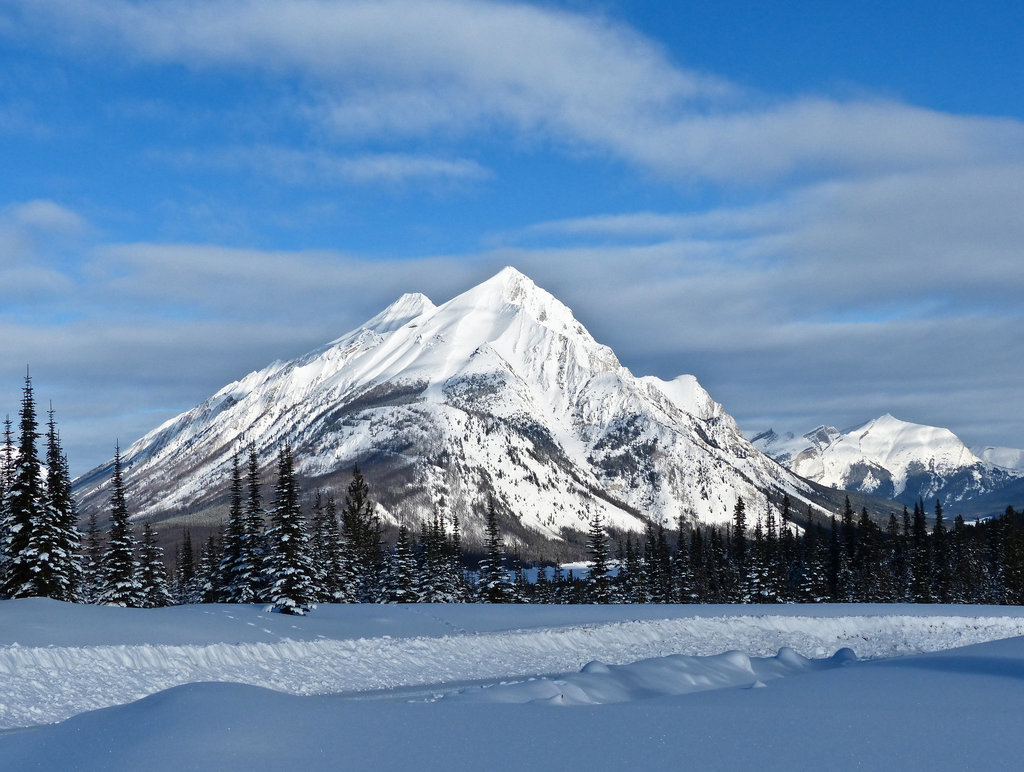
207	581
600	584
402	571
6	480
942	569
232	572
493	585
682	574
24	506
92	569
738	536
319	550
54	540
631	577
152	572
334	552
361	542
119	583
251	580
185	570
920	558
291	589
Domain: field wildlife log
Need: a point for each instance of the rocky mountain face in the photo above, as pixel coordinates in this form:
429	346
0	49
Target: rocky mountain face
498	393
894	459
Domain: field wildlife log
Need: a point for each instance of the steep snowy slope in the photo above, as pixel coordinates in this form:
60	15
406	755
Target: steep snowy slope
498	391
890	458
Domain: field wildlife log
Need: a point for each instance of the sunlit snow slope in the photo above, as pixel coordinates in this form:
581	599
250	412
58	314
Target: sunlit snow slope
500	391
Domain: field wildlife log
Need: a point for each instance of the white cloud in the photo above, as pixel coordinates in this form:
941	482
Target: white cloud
304	167
398	69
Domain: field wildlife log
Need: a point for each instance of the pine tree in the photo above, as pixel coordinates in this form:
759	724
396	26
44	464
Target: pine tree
319	547
291	591
54	541
207	582
920	558
493	584
600	585
152	572
25	504
233	569
361	542
119	582
335	554
942	569
251	576
6	480
61	503
402	571
736	577
185	570
92	570
684	590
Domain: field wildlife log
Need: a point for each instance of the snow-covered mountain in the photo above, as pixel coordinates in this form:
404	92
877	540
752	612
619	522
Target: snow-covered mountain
1008	458
500	391
892	459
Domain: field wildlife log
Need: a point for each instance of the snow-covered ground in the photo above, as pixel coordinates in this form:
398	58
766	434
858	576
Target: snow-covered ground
467	687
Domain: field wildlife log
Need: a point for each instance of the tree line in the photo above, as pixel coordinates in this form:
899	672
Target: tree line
291	560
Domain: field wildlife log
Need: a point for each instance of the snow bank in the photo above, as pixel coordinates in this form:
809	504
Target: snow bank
347	651
951	710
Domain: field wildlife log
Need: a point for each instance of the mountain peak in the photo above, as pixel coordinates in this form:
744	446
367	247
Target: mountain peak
509	285
400	313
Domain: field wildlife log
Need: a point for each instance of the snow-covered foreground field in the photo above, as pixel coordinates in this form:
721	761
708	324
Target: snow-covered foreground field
477	687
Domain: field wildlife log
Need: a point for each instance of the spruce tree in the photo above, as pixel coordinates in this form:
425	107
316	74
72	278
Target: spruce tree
402	571
493	584
152	572
251	578
336	586
231	573
942	569
92	567
6	479
291	589
600	585
119	582
320	533
361	542
25	505
54	541
921	591
684	590
735	576
185	570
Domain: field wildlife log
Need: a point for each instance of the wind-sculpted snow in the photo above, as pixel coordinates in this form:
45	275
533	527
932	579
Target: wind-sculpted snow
42	684
599	684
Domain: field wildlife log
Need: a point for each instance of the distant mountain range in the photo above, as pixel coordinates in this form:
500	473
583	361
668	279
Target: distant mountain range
500	392
894	459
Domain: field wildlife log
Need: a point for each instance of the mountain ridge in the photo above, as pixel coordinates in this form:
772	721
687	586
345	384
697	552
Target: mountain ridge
894	459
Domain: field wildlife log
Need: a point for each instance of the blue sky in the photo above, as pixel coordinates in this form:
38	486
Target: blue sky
813	207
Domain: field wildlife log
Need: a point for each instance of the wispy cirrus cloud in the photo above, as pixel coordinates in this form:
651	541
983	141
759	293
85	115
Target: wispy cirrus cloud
320	167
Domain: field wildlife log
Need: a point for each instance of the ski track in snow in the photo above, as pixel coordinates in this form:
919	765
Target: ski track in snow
41	685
